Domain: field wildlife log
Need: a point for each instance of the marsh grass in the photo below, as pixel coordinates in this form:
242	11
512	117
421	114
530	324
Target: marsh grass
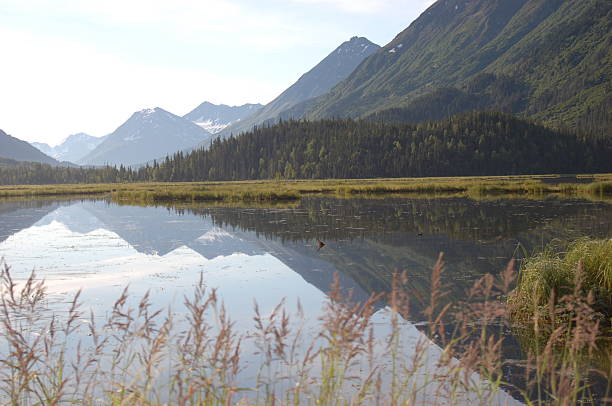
562	311
289	190
142	355
558	271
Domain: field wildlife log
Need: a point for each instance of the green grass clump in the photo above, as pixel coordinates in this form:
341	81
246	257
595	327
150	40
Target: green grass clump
584	268
600	189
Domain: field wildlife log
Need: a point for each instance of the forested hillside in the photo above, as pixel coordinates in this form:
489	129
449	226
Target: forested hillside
485	143
548	60
9	162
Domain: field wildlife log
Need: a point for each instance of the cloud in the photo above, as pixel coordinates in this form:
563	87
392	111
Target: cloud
207	20
369	6
360	6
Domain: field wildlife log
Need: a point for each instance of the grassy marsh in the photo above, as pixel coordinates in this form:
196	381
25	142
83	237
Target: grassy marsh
288	190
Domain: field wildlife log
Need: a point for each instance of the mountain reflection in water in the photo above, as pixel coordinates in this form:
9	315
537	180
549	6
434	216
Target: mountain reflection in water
271	254
70	243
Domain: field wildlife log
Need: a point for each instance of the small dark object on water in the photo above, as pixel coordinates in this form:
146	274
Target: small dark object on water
420	234
321	244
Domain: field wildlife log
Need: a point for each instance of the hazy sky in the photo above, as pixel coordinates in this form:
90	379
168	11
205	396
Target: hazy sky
69	66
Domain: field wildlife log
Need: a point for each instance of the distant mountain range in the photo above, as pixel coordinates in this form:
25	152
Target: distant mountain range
74	148
147	135
548	60
214	118
13	149
319	80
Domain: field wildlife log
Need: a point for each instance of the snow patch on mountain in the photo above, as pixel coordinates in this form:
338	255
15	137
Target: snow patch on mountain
149	134
72	148
214	118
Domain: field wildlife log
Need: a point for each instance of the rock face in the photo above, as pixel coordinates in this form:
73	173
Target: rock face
214	118
548	60
319	80
74	148
18	150
147	135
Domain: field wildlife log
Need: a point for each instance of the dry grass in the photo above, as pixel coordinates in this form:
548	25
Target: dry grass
268	191
142	355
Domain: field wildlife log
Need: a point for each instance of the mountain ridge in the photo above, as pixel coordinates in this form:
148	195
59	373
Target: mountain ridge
214	118
15	149
555	52
147	135
72	148
317	81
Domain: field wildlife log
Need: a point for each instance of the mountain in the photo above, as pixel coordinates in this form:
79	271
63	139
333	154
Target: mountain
214	118
17	150
10	163
319	80
72	149
44	148
147	135
547	60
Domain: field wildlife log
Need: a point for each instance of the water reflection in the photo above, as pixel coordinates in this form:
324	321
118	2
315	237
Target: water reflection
94	243
271	254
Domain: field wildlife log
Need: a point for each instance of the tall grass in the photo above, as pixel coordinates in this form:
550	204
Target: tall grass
562	311
142	355
584	265
286	190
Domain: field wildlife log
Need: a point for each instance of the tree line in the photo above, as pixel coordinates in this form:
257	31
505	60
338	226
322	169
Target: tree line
478	143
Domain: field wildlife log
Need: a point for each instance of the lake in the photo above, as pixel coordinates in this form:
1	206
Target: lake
267	254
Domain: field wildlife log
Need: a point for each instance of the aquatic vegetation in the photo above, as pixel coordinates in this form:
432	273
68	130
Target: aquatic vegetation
142	355
599	188
584	267
562	309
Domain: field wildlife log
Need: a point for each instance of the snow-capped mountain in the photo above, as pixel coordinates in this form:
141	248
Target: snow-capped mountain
147	135
214	118
72	149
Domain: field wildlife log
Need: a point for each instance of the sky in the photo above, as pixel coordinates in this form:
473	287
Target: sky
69	66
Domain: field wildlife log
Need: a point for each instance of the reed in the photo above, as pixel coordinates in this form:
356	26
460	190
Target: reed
559	270
142	355
287	190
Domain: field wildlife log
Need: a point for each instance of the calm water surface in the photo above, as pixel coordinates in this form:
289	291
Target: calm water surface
267	254
270	253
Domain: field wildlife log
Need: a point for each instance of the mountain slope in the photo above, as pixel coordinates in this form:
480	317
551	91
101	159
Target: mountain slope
72	149
147	135
214	118
44	148
545	59
319	80
10	163
17	150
